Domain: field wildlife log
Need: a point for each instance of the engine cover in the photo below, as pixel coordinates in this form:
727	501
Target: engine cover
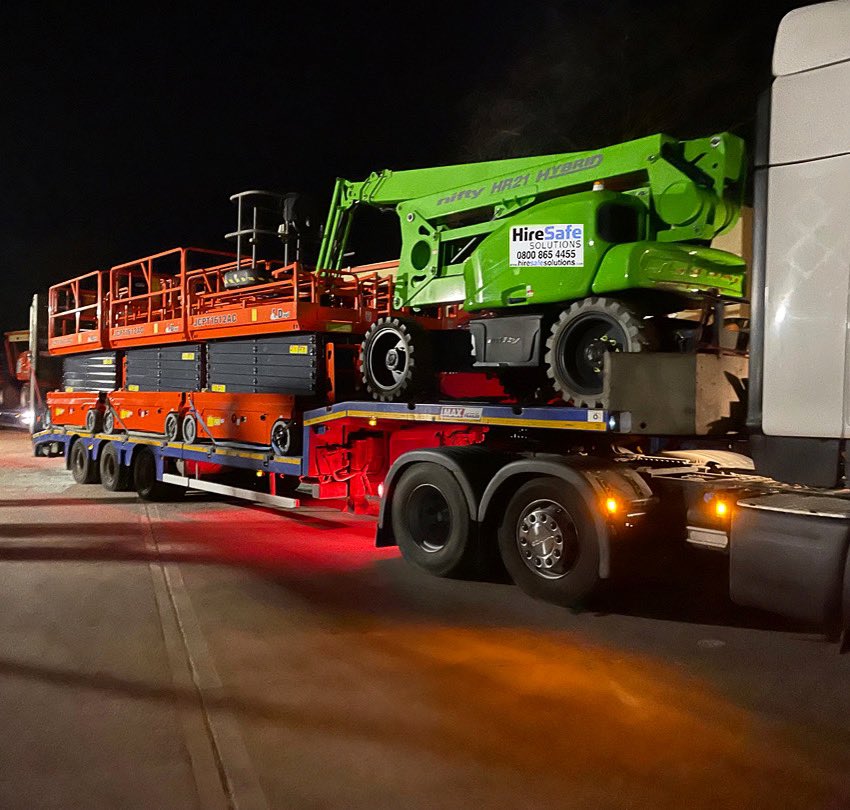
513	341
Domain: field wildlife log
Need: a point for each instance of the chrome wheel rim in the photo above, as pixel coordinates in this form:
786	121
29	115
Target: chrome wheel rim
547	540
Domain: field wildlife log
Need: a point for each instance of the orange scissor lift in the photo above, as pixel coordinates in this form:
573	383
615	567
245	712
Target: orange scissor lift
180	298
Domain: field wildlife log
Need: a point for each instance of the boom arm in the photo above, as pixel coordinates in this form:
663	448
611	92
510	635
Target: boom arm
692	190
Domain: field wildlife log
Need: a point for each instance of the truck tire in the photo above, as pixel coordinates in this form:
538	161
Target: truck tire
82	466
114	476
109	421
396	360
548	542
147	486
431	522
579	340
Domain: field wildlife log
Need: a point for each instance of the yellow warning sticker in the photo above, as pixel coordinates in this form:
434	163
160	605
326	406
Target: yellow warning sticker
187	356
58	411
108	361
132	387
69	389
218	388
298	348
124	413
214	421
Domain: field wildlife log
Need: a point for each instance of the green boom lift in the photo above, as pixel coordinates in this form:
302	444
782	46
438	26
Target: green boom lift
558	259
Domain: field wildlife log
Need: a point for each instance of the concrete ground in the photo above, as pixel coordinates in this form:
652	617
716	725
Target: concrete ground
205	654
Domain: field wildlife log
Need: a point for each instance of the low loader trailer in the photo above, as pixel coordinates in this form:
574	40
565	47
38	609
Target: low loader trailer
557	494
616	419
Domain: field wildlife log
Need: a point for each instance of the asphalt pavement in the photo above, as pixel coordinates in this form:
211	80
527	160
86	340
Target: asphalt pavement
208	654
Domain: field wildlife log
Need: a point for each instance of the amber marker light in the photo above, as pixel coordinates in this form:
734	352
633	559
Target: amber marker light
612	506
721	508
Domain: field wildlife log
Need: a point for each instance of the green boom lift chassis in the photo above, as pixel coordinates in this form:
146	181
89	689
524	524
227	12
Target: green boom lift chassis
561	258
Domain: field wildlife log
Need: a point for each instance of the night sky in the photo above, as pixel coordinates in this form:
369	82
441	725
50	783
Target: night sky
121	138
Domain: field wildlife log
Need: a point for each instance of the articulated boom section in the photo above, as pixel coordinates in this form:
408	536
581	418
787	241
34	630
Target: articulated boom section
678	191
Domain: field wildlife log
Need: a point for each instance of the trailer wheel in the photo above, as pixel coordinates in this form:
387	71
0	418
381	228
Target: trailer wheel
172	427
431	521
109	421
581	337
190	429
395	359
93	420
83	468
548	542
114	476
148	487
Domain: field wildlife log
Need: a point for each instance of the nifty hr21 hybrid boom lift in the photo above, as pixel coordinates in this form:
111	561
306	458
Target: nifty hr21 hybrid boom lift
553	260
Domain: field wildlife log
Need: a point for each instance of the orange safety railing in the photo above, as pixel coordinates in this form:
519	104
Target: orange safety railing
290	284
153	288
75	309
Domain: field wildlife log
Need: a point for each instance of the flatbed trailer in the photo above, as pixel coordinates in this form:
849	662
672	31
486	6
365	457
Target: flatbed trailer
555	493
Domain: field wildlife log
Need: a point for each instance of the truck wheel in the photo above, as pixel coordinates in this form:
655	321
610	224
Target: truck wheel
284	437
148	487
109	421
190	429
581	337
114	476
431	521
172	427
93	421
548	542
83	468
395	359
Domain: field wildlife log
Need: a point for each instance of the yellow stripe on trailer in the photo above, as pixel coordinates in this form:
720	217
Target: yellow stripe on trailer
557	424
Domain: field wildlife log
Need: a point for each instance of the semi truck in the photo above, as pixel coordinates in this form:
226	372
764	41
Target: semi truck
737	453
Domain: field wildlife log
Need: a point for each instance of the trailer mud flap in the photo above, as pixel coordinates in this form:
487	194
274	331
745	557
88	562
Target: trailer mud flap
788	554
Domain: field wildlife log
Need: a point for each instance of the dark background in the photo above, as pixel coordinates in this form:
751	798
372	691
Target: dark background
124	135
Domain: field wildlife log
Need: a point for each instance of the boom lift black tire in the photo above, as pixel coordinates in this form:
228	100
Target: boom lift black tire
114	476
579	339
147	486
548	542
396	360
431	521
83	468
